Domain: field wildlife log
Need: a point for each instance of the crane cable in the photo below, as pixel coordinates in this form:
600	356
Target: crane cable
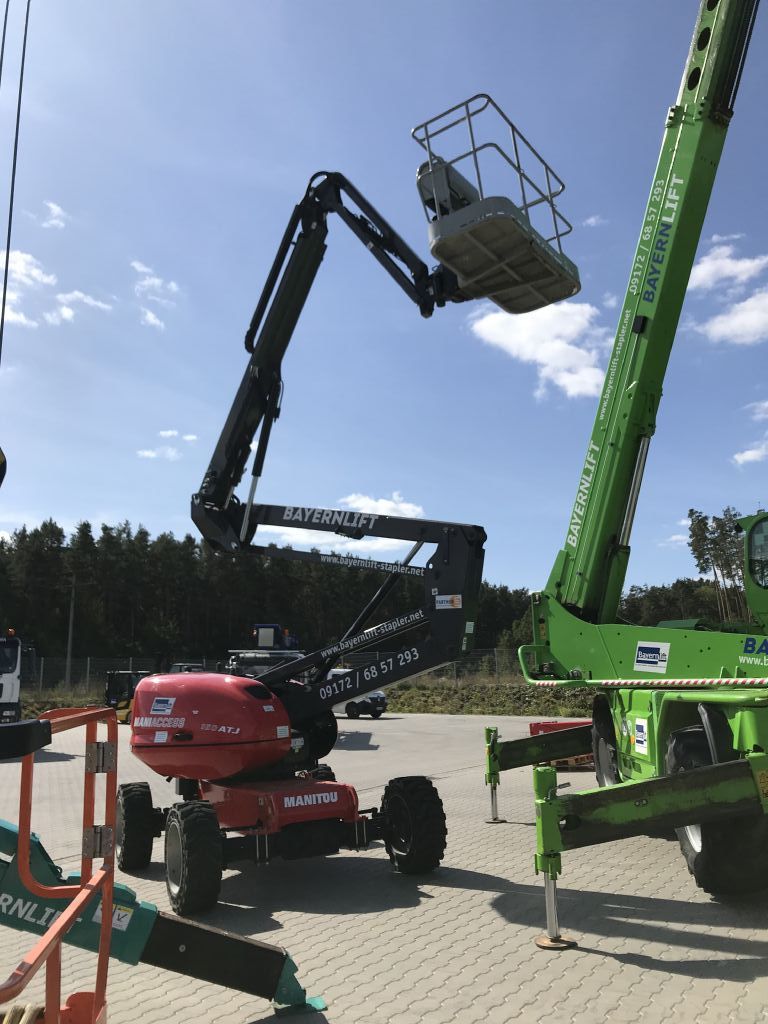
15	157
2	46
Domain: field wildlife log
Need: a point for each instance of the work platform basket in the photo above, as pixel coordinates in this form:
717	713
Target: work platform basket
508	250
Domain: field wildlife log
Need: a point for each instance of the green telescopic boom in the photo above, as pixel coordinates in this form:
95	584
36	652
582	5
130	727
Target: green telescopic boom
589	571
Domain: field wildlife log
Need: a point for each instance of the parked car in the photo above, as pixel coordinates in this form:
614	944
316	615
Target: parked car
373	704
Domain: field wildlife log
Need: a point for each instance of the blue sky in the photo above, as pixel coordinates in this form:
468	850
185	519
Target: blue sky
163	148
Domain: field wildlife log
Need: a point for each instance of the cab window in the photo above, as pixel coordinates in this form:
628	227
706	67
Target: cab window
758	553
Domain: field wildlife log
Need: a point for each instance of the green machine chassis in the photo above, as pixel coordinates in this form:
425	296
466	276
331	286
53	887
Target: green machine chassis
680	715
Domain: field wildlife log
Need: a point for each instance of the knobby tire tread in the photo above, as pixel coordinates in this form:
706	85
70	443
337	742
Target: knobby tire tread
427	821
734	852
202	858
135	802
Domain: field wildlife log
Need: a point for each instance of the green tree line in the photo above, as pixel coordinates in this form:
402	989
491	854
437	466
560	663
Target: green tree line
173	599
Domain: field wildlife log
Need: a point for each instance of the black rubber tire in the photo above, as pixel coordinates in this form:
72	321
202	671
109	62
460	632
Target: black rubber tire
727	857
135	826
193	857
320	735
604	747
415	829
377	714
352	711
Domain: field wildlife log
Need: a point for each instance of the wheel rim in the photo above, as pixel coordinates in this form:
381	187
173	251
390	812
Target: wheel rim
173	858
400	825
693	834
605	761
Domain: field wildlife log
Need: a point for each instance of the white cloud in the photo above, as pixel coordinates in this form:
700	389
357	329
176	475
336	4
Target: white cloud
152	288
24	270
394	506
4	535
759	410
743	323
595	221
164	451
87	300
189	437
610	301
57	217
148	319
726	238
562	341
685	521
167	433
63	314
757	453
149	283
25	273
720	267
15	316
675	540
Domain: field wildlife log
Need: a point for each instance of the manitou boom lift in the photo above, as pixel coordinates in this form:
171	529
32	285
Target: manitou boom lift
494	251
245	751
680	716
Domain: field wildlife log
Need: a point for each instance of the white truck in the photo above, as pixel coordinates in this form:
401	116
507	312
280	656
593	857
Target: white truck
10	678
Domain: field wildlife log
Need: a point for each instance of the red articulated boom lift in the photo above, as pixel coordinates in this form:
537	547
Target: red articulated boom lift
247	752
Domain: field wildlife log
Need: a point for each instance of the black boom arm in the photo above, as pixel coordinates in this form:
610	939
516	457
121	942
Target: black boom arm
222	519
438	631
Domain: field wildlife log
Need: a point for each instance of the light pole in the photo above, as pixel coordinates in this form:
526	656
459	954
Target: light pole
68	667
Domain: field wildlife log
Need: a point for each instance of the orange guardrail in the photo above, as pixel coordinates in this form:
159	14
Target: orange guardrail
81	1007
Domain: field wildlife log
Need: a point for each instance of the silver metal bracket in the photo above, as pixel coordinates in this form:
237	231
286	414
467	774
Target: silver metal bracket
100	757
98	841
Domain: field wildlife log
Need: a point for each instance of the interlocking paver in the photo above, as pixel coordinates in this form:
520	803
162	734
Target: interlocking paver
453	947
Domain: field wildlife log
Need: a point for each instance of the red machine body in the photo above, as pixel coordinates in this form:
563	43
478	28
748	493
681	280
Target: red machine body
268	807
204	725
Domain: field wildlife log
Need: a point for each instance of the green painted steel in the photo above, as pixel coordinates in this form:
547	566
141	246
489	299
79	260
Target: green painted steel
551	746
651	682
548	840
492	768
589	571
575	820
132	919
567	647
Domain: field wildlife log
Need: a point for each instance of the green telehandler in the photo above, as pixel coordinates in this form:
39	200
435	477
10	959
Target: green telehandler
680	715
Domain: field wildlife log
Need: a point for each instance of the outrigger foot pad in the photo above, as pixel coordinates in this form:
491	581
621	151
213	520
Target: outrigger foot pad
555	945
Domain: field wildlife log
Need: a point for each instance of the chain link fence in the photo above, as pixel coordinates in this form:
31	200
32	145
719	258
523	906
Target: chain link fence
498	665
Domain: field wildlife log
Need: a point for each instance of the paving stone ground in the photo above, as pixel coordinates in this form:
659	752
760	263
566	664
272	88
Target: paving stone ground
456	946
